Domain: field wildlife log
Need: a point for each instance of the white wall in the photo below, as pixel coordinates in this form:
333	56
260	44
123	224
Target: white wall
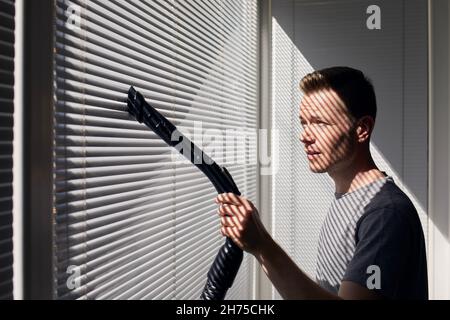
439	116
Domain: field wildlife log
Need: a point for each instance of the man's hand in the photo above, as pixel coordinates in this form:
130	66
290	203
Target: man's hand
240	221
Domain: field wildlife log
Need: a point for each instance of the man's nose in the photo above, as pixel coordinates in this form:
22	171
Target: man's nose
306	135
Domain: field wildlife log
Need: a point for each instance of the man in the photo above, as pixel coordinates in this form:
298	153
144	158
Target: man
371	245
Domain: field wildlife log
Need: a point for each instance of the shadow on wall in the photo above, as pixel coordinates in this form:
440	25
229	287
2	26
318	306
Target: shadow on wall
328	33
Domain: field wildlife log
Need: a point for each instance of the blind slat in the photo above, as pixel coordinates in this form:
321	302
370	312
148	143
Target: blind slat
146	276
94	264
80	243
136	259
86	72
147	59
139	291
181	34
183	52
63	184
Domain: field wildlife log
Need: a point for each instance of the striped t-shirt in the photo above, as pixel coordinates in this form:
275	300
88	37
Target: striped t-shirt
376	224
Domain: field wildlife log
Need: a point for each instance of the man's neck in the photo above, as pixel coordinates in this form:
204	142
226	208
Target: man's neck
357	174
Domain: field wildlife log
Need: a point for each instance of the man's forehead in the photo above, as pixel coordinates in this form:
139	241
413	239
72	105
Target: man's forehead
325	100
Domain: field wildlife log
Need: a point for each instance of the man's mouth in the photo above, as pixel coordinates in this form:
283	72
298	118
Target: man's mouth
312	155
311	152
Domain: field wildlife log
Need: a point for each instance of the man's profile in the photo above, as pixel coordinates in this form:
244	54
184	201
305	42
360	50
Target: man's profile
371	244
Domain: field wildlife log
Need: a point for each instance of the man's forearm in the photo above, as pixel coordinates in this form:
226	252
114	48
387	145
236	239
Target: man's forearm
288	279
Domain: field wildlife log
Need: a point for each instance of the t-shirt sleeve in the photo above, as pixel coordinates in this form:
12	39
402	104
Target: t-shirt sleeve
381	253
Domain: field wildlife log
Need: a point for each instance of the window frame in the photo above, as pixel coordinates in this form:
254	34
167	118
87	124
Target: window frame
37	96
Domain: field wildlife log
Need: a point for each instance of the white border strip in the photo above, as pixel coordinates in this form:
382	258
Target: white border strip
439	161
263	287
18	155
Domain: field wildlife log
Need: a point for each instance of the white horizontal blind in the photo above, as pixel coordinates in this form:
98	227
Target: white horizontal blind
7	13
300	198
131	221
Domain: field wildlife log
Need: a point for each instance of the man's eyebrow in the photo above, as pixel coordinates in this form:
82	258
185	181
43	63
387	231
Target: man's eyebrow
314	117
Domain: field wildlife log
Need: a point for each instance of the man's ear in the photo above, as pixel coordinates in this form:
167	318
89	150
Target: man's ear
364	128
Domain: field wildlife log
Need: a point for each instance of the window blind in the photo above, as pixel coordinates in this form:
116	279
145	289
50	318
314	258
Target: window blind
132	219
300	198
7	13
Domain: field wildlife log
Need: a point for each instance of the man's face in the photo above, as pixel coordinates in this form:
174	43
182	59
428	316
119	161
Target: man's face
327	131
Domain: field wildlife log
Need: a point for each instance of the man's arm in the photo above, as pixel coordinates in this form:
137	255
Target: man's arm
286	276
240	221
292	283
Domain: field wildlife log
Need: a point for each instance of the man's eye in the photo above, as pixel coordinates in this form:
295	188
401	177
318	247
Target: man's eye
319	123
315	124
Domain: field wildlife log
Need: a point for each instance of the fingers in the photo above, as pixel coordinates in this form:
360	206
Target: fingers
232	199
241	200
235	217
233	212
225	210
227	198
232	222
227	222
230	206
230	233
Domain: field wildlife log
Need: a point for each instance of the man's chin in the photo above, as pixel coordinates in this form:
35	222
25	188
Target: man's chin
316	169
